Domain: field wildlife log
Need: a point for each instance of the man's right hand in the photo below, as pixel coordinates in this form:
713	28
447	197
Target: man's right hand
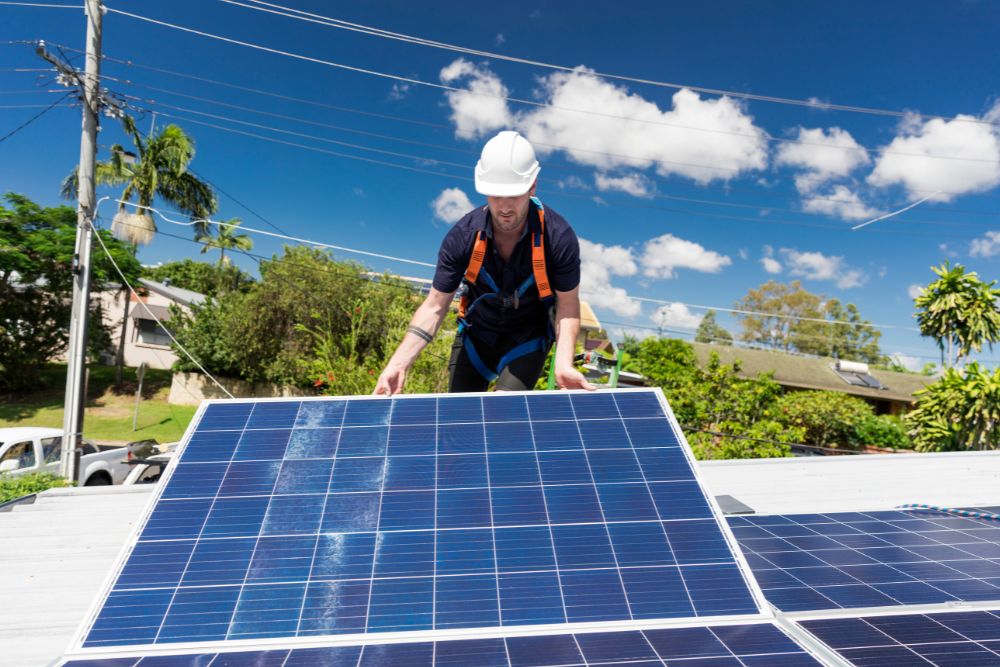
391	381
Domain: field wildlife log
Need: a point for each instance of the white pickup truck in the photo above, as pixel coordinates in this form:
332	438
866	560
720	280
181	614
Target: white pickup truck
27	450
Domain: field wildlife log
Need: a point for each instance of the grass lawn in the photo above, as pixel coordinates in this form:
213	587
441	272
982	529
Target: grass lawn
108	415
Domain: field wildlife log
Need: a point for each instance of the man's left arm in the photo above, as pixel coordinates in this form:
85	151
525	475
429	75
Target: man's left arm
567	330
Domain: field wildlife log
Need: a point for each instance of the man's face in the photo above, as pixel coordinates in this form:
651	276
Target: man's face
509	213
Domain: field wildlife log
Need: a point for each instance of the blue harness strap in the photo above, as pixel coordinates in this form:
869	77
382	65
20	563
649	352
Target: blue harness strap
479	272
528	347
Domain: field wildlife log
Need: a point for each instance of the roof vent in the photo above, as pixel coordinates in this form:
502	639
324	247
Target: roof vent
856	373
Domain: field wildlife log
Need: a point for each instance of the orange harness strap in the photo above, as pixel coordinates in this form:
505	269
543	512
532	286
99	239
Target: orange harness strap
472	272
538	260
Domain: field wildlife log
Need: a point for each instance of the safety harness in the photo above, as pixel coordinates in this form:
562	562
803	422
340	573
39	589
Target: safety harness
539	278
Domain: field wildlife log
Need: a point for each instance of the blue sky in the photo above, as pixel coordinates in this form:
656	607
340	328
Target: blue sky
778	186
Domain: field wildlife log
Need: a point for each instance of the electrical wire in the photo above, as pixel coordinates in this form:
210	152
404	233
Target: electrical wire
216	83
42	4
429	160
812	103
296	239
760	135
158	321
318	244
34	118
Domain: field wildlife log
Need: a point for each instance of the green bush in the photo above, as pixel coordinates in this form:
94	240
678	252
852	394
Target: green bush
882	431
959	411
24	485
762	440
829	419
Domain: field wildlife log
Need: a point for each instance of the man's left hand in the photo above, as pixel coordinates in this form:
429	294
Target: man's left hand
570	378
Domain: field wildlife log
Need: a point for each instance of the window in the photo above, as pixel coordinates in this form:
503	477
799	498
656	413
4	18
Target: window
148	332
23	453
51	449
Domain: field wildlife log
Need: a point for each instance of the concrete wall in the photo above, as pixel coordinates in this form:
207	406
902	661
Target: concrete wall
136	352
193	388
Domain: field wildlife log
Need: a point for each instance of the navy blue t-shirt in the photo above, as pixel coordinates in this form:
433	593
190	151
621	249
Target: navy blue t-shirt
490	318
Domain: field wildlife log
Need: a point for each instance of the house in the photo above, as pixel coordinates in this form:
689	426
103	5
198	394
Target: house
888	392
145	340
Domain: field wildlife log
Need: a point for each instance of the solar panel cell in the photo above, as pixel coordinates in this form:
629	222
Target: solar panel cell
365	515
846	560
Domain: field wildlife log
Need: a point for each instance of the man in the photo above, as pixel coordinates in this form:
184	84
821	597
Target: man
520	262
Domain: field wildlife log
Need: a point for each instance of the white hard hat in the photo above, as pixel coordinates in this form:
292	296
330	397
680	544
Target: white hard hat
507	166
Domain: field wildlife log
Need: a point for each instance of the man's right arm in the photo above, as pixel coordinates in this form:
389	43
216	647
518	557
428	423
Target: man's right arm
427	319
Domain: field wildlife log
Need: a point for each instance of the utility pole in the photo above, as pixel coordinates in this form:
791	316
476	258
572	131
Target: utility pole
77	355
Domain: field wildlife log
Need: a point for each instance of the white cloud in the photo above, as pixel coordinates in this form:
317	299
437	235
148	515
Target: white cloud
398	91
626	130
914	290
480	108
634	184
915	159
598	263
605	126
824	154
770	264
840	202
571	183
988	246
662	256
451	205
817	266
499	39
676	316
744	255
905	360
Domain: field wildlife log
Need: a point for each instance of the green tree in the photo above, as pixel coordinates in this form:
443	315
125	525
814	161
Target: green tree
226	238
36	254
959	311
829	418
311	322
789	317
159	170
709	331
722	414
959	411
200	277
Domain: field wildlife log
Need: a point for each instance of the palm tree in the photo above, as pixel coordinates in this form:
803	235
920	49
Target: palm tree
227	239
959	311
160	169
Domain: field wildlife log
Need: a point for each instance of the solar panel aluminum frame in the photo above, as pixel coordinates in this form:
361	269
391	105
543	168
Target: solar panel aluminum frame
77	650
884	610
807	639
808	642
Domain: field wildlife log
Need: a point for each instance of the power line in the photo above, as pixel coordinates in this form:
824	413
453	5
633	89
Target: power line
215	82
42	4
34	118
158	321
423	159
318	244
300	15
761	135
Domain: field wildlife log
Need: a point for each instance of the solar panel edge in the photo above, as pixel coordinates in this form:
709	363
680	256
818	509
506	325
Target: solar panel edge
343	641
80	637
763	606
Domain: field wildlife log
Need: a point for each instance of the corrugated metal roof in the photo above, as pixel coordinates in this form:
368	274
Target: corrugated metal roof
792	370
56	554
185	297
54	557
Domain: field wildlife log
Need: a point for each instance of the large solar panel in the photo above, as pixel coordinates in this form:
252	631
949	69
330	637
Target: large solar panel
759	645
303	519
968	638
871	559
